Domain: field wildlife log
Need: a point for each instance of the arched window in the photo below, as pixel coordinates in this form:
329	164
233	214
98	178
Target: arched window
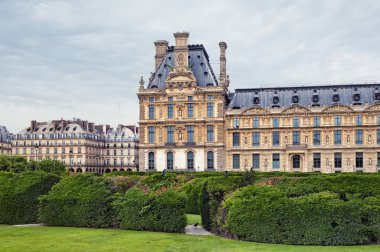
210	160
151	160
169	160
190	160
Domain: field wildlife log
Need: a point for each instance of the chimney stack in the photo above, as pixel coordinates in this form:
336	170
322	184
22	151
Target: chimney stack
223	63
161	48
181	51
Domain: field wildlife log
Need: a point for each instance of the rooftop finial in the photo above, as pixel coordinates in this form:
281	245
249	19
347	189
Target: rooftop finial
141	83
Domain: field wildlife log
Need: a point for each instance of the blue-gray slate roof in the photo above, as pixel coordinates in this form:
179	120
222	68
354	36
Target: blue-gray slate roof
198	62
349	94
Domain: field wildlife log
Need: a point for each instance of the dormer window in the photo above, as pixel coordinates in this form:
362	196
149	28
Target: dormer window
276	100
256	100
377	96
335	98
315	98
295	99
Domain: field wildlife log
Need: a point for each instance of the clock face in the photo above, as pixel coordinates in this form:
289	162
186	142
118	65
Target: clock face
181	59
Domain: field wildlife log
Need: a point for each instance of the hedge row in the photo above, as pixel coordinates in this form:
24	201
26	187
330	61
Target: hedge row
193	192
164	212
19	194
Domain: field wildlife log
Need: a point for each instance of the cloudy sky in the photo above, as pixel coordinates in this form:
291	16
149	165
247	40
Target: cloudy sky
83	59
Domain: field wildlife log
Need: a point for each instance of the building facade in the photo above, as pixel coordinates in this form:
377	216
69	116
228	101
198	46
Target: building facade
190	121
5	141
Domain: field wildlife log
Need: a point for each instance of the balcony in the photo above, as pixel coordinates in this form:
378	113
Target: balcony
190	144
296	146
170	144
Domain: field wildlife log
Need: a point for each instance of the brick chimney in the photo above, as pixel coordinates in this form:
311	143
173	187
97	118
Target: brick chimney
223	62
181	51
161	48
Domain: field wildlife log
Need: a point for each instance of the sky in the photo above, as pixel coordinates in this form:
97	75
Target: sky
83	59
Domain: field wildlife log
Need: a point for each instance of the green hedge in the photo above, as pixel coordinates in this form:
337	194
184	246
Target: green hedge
193	191
19	194
165	212
82	200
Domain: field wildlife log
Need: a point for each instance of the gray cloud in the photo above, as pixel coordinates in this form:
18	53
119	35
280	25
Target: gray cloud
76	58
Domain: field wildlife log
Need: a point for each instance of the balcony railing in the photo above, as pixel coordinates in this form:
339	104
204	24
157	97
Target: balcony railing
296	146
170	144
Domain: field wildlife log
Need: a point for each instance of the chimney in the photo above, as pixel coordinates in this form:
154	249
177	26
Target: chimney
223	63
161	47
181	50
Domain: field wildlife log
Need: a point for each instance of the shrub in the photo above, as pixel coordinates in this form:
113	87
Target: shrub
163	212
193	191
82	200
19	194
13	163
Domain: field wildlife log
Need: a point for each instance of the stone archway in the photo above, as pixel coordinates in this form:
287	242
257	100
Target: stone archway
296	162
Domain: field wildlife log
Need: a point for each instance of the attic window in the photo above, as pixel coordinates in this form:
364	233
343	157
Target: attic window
36	129
205	73
377	96
256	100
335	98
315	90
67	128
43	129
295	99
74	128
51	129
159	75
201	63
170	58
165	65
315	98
276	100
356	97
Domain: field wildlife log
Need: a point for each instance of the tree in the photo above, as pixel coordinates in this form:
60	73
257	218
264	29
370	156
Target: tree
53	166
13	163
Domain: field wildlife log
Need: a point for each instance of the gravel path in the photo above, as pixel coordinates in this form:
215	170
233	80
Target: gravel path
199	230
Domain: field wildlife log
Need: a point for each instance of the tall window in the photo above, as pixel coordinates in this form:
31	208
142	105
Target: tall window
236	161
338	160
337	137
235	123
256	139
255	161
170	131
378	119
378	136
378	160
296	121
359	120
151	134
170	111
317	160
151	99
151	111
296	137
359	136
275	160
337	121
169	160
317	121
190	133
235	139
359	160
210	133
190	110
190	160
210	160
210	109
256	122
275	122
276	138
316	137
151	160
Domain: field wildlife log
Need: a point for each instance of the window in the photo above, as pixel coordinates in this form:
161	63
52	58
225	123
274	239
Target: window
276	138
170	111
189	98
359	160
79	150
115	161
337	121
151	99
378	136
317	160
170	132
378	159
338	160
190	133
378	119
151	160
359	120
316	137
256	122
317	121
210	109
190	110
235	123
210	133
170	98
151	111
169	160
255	161
209	97
296	121
256	139
296	137
236	161
359	136
275	161
337	137
275	122
151	131
235	139
63	150
190	160
210	160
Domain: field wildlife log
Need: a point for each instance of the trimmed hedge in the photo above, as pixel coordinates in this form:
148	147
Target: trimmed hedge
193	191
81	200
165	212
19	194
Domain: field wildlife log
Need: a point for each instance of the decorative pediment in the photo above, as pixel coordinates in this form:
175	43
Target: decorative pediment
338	108
295	110
180	74
255	111
374	107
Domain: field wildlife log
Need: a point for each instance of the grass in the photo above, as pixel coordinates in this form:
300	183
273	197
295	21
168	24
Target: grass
193	218
84	239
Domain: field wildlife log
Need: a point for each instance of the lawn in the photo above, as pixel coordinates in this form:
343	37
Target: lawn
84	239
194	218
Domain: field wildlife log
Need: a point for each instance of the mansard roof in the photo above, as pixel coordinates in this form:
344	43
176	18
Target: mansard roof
5	135
198	63
306	96
121	134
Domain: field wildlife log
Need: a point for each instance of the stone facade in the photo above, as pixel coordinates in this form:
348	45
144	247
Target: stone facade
5	141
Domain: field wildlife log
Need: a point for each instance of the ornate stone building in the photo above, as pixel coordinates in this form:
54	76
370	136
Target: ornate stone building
189	120
5	141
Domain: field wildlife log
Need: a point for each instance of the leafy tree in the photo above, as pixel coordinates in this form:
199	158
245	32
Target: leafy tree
13	163
47	165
